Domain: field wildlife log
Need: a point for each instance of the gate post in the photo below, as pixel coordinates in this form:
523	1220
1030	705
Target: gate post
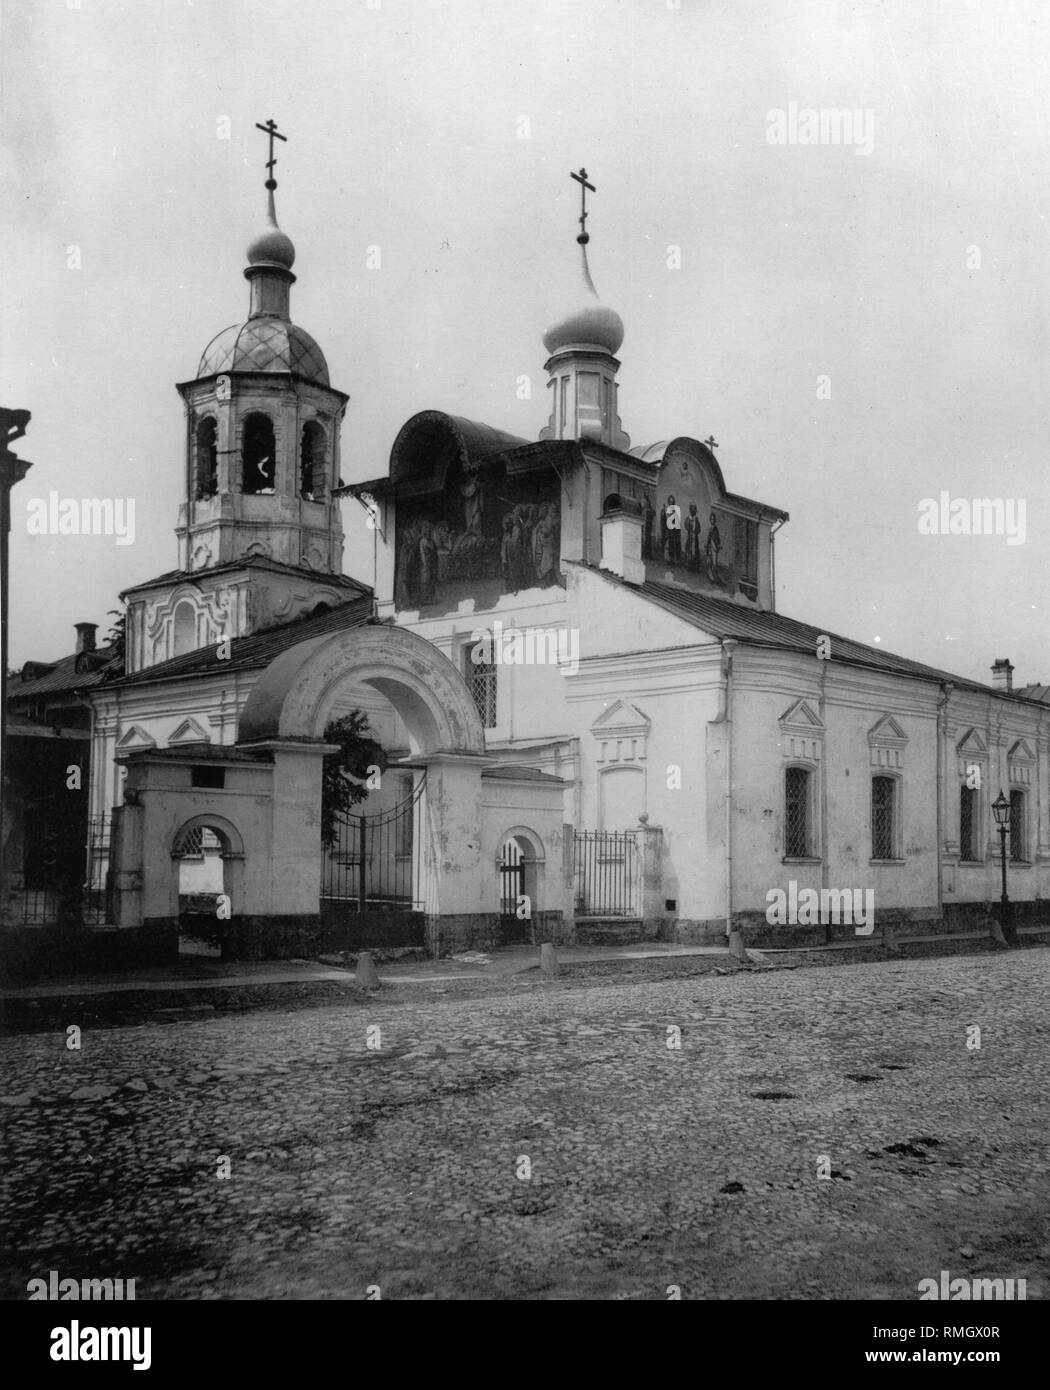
454	824
651	877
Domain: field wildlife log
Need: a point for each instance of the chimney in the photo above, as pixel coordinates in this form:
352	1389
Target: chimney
85	636
622	538
1003	675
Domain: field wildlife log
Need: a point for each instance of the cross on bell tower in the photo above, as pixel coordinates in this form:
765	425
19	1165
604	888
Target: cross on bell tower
270	129
581	179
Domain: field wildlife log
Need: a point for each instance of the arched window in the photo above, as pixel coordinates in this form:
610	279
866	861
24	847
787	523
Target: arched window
184	628
969	824
207	470
313	462
258	455
798	821
884	818
1018	828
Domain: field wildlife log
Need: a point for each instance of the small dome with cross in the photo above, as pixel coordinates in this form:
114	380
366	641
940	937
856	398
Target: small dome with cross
588	324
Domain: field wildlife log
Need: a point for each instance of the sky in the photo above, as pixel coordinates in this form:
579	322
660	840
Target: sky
861	325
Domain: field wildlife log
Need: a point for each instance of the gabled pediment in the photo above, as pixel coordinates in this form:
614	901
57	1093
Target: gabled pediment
801	716
973	743
887	731
135	737
1021	752
621	718
189	731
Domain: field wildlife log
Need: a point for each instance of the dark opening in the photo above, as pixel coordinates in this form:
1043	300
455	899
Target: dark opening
207	459
259	455
312	462
208	777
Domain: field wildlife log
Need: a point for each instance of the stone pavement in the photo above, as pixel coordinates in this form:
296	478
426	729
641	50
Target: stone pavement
543	1141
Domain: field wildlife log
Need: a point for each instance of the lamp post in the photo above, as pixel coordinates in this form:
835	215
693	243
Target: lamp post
1001	812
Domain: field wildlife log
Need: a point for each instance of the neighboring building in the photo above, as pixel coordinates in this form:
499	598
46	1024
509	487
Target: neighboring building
47	837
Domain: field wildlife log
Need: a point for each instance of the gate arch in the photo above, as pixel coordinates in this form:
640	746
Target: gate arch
298	690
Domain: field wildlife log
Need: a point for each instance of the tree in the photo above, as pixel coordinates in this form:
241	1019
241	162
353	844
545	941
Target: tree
345	773
116	636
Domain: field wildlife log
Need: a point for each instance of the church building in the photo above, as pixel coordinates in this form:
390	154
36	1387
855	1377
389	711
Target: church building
596	725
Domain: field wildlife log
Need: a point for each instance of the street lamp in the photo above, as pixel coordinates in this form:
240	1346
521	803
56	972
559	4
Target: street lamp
1001	812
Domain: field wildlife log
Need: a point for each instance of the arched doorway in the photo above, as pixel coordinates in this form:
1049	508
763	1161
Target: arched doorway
207	854
520	869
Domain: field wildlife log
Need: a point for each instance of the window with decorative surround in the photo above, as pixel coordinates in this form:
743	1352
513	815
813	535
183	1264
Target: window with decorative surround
1020	765
802	748
972	767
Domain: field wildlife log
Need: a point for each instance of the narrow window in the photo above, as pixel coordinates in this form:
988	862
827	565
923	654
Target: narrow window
207	471
968	819
481	682
258	455
312	462
796	813
405	786
1017	827
184	629
883	818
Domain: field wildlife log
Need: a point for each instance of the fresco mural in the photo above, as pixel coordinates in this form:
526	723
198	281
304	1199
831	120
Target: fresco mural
484	536
684	528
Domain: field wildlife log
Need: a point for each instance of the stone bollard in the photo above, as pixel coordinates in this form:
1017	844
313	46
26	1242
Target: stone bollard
549	960
995	931
366	976
737	949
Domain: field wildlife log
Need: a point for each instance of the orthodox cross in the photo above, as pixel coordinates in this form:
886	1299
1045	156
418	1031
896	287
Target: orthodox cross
581	179
711	442
270	129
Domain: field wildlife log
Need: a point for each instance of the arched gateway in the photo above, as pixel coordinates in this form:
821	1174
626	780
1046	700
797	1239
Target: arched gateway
297	692
267	788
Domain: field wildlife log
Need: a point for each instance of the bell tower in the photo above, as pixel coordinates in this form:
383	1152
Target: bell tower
259	527
262	428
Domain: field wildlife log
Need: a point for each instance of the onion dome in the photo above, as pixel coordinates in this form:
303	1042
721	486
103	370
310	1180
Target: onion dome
272	246
590	323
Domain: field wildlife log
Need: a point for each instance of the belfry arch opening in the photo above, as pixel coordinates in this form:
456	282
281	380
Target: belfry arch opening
258	455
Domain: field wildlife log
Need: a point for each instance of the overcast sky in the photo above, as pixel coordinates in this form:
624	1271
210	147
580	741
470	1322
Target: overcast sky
914	277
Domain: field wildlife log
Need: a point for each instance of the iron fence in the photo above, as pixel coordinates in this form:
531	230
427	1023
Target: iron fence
605	873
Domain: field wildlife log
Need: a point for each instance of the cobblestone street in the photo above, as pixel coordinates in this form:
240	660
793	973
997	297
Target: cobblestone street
651	1166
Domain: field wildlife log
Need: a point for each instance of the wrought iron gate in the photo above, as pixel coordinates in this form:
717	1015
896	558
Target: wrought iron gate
604	873
511	888
65	867
378	862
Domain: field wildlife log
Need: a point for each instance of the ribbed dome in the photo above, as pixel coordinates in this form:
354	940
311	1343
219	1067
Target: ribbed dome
265	344
590	323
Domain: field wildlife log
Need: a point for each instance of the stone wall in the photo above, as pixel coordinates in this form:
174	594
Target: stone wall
40	953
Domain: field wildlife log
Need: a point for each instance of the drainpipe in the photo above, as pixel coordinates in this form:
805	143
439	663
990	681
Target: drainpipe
773	566
729	645
942	752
